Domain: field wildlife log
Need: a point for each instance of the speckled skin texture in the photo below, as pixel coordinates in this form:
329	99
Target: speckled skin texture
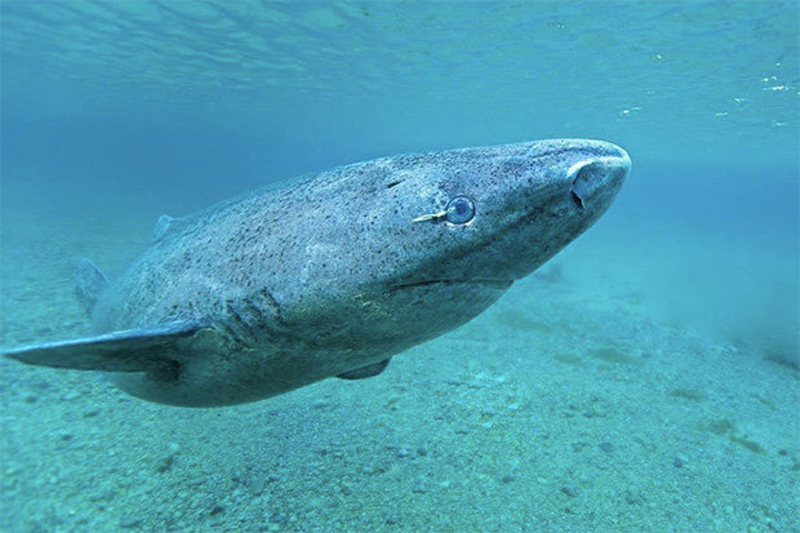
328	274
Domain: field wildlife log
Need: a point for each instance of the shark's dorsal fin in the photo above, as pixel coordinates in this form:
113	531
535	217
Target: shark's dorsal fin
132	350
167	224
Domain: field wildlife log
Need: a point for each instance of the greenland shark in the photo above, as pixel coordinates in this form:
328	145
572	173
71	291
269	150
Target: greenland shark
333	274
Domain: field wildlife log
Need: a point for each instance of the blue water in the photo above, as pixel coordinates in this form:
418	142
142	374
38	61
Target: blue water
114	113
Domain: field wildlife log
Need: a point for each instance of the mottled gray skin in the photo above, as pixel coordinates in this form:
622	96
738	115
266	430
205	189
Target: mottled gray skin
329	274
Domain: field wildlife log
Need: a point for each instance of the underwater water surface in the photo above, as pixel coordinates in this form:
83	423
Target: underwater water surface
646	378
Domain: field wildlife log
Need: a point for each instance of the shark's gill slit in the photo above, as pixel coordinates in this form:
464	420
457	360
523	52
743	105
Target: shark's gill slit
577	199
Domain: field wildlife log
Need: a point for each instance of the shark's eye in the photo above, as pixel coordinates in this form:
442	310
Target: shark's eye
460	210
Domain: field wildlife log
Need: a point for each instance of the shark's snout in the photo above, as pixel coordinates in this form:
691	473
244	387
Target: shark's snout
597	177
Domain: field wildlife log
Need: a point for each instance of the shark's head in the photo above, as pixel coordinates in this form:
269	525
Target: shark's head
420	244
496	214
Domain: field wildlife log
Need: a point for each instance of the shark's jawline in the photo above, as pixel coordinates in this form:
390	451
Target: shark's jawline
493	283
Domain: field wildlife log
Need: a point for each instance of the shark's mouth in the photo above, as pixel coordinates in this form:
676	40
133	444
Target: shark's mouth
499	284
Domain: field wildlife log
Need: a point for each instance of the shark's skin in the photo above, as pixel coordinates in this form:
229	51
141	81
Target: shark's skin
333	274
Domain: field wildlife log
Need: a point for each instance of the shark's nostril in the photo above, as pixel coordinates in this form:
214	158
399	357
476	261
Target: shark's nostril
583	184
596	177
576	197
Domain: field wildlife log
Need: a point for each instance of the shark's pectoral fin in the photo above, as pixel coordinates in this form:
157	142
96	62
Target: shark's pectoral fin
132	350
366	371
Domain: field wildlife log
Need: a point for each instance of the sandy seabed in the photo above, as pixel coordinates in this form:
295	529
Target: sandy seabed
562	408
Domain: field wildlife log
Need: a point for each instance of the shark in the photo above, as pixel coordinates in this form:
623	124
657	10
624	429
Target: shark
334	273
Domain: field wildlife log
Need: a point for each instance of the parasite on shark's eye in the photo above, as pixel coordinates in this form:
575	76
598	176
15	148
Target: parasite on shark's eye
460	210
